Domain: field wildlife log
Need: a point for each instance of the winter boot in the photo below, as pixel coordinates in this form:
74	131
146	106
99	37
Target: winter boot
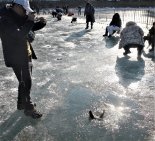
126	52
106	33
91	25
32	112
109	36
87	26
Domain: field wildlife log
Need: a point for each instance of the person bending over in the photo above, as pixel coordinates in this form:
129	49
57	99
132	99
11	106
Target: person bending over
132	37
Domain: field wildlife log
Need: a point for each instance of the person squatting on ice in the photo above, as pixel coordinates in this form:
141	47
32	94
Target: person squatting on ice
151	37
114	26
59	16
16	21
89	13
131	37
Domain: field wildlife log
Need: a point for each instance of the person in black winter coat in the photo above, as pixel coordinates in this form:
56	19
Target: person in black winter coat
89	13
54	13
15	25
151	37
115	25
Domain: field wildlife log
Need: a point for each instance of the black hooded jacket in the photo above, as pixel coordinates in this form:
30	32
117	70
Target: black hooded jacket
13	33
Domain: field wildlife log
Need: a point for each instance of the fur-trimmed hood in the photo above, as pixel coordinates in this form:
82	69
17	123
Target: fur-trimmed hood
130	23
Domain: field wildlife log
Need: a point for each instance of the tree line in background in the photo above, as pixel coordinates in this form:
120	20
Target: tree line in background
97	3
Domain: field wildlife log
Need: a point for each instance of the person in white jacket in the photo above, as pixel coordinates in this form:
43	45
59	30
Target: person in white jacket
132	37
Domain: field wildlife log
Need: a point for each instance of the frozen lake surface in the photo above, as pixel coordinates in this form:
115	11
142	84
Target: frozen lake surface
78	70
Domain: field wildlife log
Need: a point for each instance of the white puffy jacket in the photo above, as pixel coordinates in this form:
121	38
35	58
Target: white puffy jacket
131	34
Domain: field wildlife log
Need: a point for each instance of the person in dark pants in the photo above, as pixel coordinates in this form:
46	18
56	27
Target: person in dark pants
16	21
151	37
89	13
132	37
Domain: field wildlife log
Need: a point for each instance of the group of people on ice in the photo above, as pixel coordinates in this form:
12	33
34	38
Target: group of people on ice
131	36
17	26
58	12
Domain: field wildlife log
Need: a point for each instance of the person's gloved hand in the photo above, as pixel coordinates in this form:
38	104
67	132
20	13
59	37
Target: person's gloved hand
31	16
42	19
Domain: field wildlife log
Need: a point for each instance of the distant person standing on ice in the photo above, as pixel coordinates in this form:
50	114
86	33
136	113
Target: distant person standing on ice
132	37
89	13
79	10
16	21
114	25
